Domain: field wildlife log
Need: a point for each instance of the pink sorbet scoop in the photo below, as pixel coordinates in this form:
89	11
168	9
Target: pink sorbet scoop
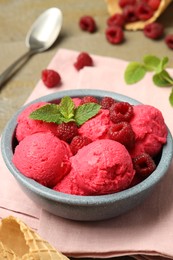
101	167
43	157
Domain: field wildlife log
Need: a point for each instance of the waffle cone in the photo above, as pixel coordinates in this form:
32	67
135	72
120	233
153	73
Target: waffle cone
7	253
19	242
113	7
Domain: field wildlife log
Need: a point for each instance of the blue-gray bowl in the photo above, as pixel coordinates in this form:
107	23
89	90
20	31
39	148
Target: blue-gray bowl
84	208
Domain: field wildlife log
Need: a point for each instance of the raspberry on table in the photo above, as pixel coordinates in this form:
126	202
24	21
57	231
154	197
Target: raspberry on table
169	40
89	99
143	11
144	165
83	59
129	12
116	20
107	102
66	131
153	30
123	133
87	23
114	34
121	111
78	142
51	78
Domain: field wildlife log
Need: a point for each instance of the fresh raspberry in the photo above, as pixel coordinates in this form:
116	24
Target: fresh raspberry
51	78
144	165
136	180
143	11
129	13
169	40
123	3
78	142
83	59
116	20
153	30
89	99
121	111
107	102
114	34
87	23
66	131
122	132
154	4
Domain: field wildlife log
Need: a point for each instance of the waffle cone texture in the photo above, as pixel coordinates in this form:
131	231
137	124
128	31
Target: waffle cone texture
19	242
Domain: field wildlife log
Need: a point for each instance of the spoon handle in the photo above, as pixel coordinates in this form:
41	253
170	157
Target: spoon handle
14	67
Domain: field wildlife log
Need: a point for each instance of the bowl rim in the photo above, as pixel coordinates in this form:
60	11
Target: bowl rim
50	194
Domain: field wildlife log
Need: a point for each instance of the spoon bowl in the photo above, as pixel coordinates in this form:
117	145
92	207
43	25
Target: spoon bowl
44	30
40	37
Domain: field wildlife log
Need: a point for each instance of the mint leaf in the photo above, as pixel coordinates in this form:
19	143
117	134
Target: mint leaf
66	107
171	98
85	112
134	72
162	65
48	113
151	62
162	79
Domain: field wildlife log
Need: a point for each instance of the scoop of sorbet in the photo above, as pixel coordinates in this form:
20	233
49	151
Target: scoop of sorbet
27	126
42	157
101	167
150	130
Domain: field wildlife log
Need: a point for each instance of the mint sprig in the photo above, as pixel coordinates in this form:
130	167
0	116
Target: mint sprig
66	112
136	71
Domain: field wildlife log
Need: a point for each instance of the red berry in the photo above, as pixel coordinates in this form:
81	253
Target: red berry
107	102
114	34
144	165
169	40
122	132
89	99
83	60
136	180
66	131
129	12
121	111
123	3
154	30
87	23
51	78
116	19
78	142
154	4
144	11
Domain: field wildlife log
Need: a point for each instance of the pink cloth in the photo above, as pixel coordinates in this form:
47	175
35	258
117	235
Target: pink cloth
145	232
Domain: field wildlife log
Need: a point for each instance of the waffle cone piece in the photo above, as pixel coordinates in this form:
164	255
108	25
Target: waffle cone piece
113	7
19	242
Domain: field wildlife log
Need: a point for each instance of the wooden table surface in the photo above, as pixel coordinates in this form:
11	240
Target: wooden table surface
16	17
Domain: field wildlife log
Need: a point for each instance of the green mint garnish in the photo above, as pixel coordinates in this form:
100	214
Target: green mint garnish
48	113
66	107
171	97
136	71
163	79
66	112
85	112
151	62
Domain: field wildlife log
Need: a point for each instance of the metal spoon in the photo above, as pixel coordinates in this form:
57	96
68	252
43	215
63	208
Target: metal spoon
40	37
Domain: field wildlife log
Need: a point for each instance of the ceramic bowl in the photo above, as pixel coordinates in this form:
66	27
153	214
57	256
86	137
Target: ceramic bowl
84	208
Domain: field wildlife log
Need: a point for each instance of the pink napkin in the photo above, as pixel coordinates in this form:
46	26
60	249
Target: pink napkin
145	232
